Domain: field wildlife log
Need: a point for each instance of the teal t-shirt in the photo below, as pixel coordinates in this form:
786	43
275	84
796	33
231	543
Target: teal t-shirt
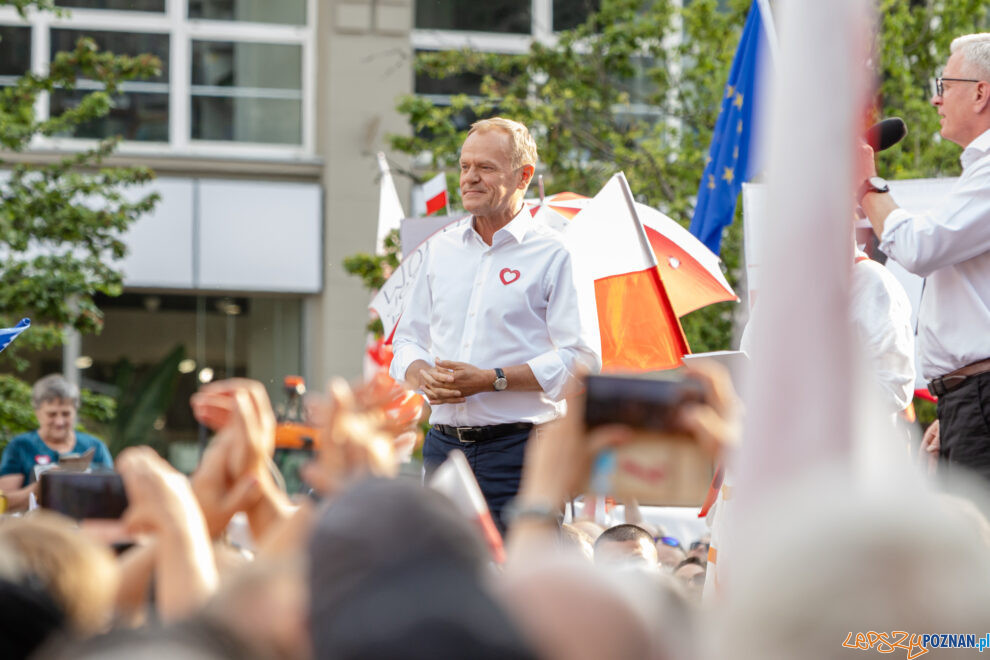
26	450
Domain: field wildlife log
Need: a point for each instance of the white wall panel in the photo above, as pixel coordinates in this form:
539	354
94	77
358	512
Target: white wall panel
160	244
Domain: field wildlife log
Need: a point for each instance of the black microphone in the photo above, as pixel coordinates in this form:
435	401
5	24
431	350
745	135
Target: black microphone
886	133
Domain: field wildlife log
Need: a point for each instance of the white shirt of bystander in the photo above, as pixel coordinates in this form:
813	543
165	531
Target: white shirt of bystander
950	245
513	302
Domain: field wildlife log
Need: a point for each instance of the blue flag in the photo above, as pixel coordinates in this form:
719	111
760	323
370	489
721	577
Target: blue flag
8	335
730	160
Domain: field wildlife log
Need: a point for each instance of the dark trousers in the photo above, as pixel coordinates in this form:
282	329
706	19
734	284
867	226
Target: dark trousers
497	465
964	425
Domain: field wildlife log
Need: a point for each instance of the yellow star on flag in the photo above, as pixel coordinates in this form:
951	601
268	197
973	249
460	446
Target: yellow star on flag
729	175
739	101
711	182
729	91
739	126
735	153
708	159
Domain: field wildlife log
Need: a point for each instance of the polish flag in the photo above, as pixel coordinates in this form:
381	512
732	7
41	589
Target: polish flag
455	479
637	325
390	213
430	197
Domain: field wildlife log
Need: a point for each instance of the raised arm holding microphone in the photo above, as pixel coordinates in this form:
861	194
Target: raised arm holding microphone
492	332
949	245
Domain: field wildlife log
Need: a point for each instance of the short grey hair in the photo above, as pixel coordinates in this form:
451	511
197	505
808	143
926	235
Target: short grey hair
54	387
523	150
975	49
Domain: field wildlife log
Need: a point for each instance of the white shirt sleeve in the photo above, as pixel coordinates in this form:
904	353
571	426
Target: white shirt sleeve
412	334
558	371
955	231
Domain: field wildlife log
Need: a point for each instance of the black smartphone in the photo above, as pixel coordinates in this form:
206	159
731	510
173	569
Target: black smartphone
82	495
642	403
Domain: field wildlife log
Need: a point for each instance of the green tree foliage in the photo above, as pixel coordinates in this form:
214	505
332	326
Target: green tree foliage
61	222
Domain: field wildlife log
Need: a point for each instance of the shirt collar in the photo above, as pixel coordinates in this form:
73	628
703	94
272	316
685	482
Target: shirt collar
517	227
975	149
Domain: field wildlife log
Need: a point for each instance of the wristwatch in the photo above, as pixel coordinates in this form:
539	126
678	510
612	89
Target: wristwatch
872	184
500	382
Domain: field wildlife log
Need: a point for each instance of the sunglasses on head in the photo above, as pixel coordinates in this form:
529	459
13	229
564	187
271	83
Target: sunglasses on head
698	544
669	540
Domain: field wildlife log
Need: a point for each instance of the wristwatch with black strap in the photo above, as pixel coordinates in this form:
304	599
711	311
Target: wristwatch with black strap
500	382
872	184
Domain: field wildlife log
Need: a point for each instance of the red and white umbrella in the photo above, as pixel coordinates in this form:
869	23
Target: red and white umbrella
690	272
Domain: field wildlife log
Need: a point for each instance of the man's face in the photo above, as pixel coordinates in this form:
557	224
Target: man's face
56	419
490	186
954	106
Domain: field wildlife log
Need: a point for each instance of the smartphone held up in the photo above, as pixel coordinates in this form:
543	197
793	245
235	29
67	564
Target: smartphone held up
661	465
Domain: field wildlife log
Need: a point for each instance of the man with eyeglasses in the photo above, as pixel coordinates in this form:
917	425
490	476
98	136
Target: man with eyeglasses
949	245
492	333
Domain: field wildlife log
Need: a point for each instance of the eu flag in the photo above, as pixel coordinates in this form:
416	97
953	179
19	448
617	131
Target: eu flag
8	335
730	160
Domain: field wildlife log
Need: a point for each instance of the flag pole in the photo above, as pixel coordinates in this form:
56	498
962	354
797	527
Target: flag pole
770	28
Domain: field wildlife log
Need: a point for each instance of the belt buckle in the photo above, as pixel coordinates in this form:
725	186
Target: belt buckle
936	387
464	431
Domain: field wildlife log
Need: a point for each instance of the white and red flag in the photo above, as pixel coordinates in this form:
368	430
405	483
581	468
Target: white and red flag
637	325
390	213
431	196
455	479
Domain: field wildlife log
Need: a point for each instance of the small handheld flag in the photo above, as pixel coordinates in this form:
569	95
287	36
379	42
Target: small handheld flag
8	335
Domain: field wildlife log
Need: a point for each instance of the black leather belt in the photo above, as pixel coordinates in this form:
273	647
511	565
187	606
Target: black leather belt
483	433
944	384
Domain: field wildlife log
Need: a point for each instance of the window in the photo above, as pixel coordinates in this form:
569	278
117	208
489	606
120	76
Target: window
514	16
568	14
119	5
236	74
141	112
287	12
248	92
15	52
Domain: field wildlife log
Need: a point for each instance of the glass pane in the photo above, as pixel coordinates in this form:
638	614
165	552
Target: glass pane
238	64
266	120
568	14
119	5
122	43
135	116
491	16
15	50
287	12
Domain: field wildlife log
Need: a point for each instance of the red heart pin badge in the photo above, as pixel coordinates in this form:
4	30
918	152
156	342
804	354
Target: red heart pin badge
508	276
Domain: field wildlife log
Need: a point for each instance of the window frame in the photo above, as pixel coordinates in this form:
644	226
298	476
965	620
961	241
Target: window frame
181	31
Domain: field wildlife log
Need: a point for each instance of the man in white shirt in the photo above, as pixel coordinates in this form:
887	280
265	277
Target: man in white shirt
950	246
492	332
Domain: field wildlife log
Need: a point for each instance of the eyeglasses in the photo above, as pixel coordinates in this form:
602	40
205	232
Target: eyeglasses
669	540
940	88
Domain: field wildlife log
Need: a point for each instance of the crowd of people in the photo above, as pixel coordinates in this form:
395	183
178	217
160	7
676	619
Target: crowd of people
372	564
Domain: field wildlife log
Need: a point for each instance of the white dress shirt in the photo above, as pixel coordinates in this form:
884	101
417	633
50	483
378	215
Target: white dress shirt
881	316
950	246
510	303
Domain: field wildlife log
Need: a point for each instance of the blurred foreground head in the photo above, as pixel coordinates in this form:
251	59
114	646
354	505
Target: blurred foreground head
571	610
839	557
395	571
46	551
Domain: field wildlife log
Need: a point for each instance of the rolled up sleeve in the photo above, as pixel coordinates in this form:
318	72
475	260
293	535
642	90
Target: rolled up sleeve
955	231
575	351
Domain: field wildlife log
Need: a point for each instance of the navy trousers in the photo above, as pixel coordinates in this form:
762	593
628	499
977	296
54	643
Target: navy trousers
497	465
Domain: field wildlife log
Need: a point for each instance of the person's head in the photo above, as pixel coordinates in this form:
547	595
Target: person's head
80	575
669	552
55	401
964	104
572	611
699	549
691	573
423	597
578	541
498	160
625	544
